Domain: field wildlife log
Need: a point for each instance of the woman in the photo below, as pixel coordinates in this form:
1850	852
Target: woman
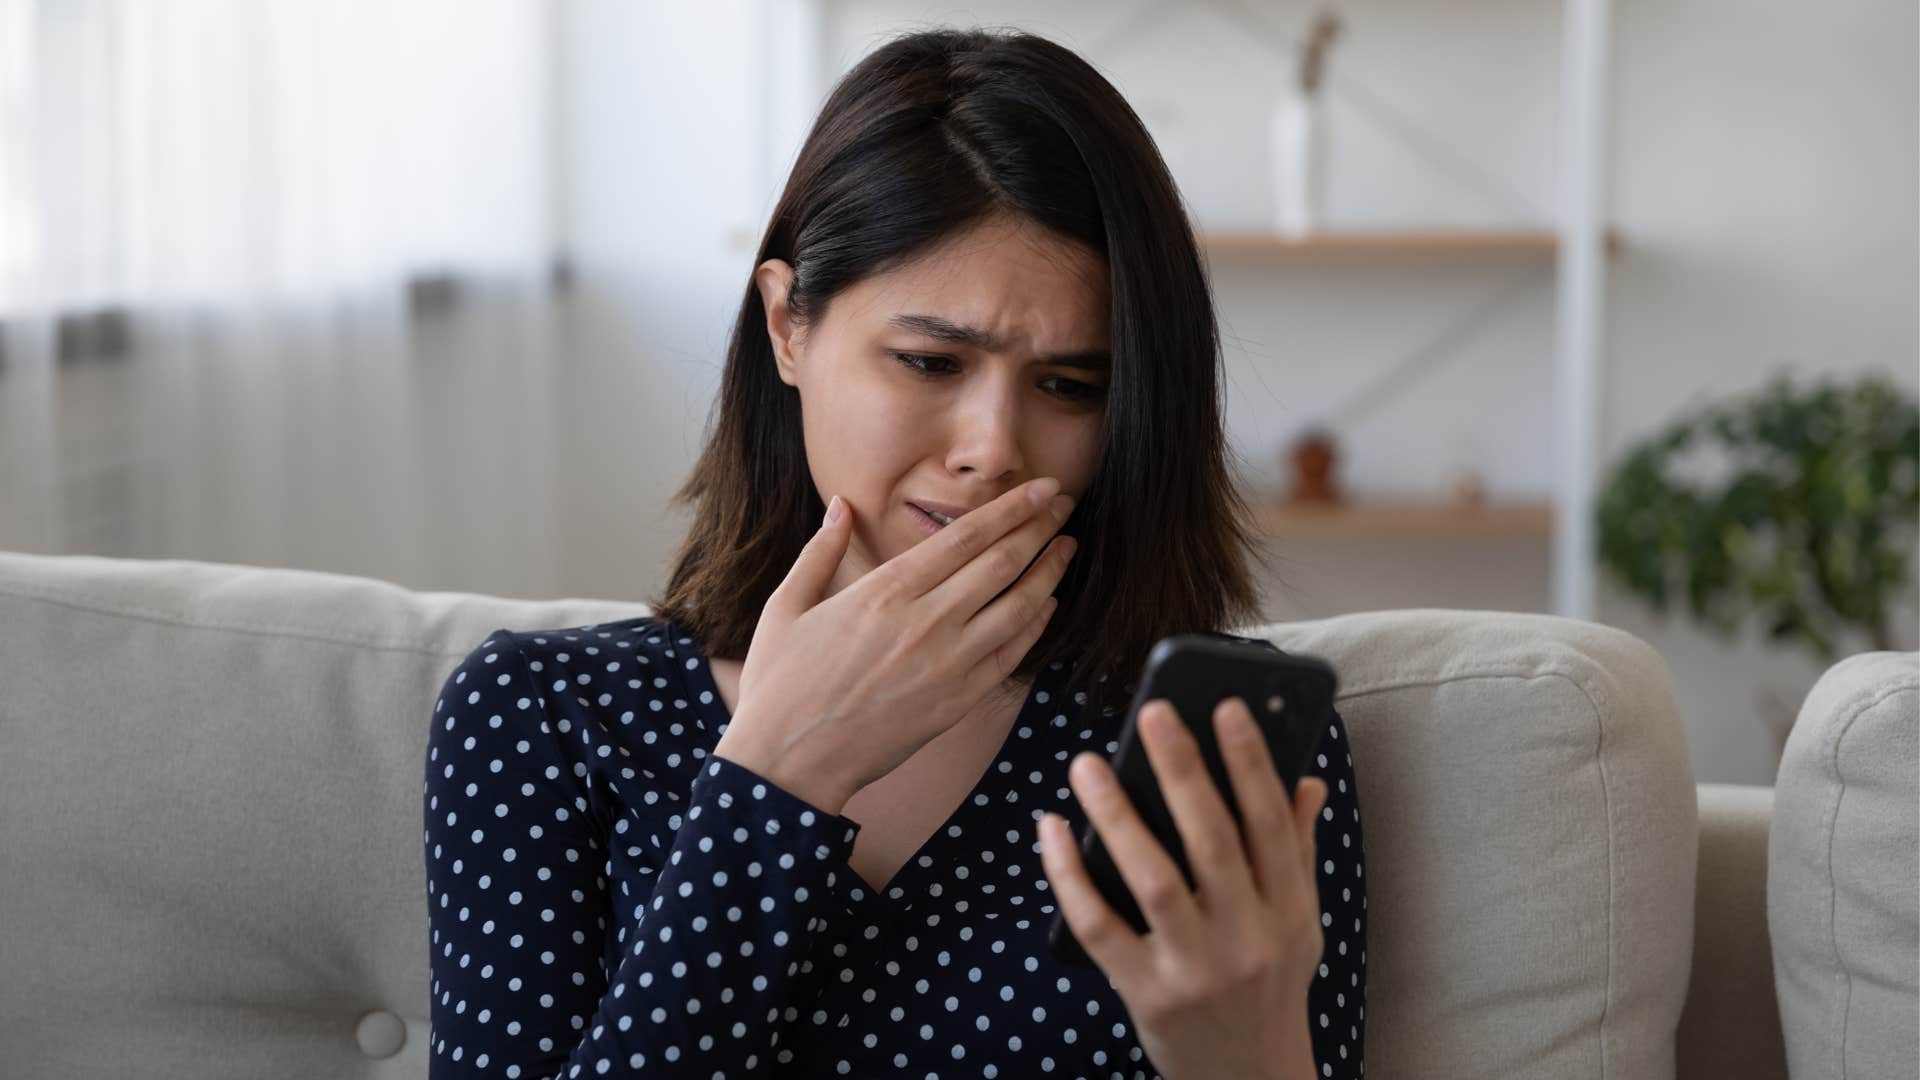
800	820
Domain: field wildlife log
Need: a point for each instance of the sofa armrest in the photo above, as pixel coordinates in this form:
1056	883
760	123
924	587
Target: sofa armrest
1841	865
1731	1023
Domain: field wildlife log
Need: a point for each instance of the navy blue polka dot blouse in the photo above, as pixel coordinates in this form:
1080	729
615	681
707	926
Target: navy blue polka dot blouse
605	898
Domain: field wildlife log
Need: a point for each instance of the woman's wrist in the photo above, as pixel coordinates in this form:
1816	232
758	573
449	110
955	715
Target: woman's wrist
1295	1060
808	781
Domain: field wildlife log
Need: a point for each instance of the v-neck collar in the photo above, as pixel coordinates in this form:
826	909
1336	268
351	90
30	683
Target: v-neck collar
885	906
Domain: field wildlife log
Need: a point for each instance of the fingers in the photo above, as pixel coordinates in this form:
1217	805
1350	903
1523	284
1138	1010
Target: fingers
1001	658
927	565
1149	872
806	582
1107	939
1207	828
970	588
1273	829
991	632
1309	799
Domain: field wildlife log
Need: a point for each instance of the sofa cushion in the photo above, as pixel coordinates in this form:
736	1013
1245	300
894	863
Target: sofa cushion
214	773
1842	868
1531	841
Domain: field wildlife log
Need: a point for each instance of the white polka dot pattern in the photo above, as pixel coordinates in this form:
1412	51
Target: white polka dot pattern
605	898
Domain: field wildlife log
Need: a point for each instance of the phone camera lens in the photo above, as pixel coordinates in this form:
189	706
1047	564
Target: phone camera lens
1275	703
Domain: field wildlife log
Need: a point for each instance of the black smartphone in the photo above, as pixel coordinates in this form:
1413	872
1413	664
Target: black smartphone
1291	698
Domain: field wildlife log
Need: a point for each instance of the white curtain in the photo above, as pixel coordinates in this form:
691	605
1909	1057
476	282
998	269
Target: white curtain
235	237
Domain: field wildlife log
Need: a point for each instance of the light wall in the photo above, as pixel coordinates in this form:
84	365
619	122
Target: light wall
1767	171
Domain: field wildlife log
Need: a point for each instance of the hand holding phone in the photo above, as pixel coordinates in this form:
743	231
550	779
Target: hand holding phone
1291	699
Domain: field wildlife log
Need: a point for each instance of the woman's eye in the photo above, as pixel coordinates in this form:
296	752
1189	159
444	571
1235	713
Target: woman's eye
1066	389
1075	390
920	363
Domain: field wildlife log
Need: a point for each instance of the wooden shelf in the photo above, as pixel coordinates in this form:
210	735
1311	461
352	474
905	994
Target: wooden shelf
1457	243
1410	519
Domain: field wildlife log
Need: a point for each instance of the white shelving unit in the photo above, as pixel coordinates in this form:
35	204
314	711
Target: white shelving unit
1580	303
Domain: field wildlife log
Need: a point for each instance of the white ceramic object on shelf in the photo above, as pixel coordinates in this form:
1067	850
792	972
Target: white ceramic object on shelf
1299	162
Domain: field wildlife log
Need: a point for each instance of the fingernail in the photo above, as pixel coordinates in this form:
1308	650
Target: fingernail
1043	489
1060	507
834	511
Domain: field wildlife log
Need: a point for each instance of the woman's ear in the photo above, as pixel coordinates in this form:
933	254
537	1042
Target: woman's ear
773	278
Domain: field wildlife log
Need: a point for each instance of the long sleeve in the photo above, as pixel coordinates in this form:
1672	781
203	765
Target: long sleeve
541	967
1337	999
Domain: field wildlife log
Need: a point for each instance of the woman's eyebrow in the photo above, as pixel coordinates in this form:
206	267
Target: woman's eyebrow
942	329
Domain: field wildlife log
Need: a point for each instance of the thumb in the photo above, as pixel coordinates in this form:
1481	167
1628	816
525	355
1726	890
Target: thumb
812	572
1309	797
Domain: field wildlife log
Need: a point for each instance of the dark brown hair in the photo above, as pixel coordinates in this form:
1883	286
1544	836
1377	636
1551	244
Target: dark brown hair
928	135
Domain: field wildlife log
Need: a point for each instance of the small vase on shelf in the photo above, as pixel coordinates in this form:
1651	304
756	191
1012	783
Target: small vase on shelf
1297	136
1469	491
1313	458
1299	145
1467	482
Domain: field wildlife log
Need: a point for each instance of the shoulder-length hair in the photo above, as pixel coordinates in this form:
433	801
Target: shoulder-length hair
929	134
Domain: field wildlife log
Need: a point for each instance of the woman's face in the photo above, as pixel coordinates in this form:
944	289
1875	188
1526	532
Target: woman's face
1009	323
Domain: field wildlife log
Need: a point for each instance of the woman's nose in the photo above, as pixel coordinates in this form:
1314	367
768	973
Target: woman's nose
986	436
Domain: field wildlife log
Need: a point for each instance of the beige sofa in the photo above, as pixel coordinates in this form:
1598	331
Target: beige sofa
210	815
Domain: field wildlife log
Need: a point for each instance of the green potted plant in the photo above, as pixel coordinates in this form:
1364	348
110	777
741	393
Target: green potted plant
1798	507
